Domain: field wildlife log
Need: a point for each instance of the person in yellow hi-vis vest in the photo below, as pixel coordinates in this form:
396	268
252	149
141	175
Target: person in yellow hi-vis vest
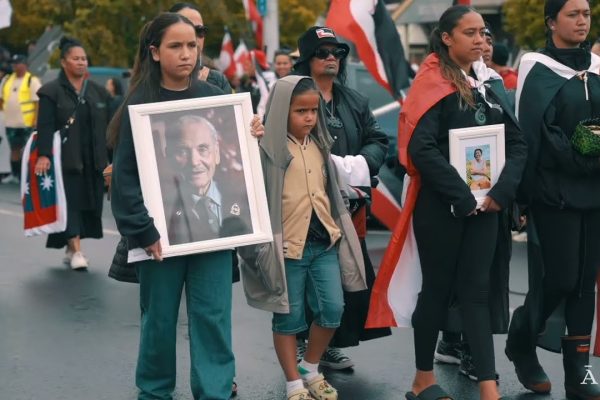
19	100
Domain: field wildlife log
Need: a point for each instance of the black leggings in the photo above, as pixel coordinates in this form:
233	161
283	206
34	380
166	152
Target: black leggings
570	243
456	257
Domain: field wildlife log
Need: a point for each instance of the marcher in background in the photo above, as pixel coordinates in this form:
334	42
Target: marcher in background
19	101
499	64
488	46
282	63
84	153
212	76
310	223
558	91
114	86
359	150
454	89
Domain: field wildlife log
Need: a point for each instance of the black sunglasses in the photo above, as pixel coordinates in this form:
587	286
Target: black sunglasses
201	30
338	53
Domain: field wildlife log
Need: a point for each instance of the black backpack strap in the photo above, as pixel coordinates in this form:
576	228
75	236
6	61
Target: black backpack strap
71	120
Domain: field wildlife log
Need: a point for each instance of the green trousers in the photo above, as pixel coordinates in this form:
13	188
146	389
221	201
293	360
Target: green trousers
206	278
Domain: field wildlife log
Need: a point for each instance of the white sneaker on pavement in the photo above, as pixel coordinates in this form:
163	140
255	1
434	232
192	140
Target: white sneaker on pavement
78	261
68	257
10	179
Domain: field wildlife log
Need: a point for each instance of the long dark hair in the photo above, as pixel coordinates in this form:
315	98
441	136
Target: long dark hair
146	74
303	68
450	70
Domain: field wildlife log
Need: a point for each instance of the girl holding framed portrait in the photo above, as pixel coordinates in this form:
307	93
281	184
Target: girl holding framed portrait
453	89
558	96
165	69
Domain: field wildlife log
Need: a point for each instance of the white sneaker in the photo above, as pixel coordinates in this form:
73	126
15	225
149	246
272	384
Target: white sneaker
78	261
68	257
10	179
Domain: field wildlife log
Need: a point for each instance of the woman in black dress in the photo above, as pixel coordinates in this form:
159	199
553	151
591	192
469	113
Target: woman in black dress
84	154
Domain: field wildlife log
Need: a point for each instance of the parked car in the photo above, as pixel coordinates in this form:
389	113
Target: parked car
97	74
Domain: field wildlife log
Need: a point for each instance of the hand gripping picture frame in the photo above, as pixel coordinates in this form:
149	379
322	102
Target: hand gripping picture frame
200	174
478	155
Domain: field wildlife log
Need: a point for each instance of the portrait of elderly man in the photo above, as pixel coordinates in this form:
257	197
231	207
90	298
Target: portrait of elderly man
197	207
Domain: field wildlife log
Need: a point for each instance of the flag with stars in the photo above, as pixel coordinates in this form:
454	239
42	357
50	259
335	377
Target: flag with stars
43	197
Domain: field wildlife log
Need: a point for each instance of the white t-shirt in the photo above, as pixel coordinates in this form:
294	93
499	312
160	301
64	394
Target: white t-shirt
479	166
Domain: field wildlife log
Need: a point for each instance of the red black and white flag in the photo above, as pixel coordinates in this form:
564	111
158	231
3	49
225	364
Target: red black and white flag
368	25
226	61
254	17
462	2
242	59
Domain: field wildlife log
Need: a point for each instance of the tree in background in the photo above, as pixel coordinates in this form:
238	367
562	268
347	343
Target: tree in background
525	20
109	28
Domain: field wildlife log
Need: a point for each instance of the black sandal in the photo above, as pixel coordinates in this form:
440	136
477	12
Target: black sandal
234	389
433	392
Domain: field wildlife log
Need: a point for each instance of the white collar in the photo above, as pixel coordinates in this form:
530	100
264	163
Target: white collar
483	74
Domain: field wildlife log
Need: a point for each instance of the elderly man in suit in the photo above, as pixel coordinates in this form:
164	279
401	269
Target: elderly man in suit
201	208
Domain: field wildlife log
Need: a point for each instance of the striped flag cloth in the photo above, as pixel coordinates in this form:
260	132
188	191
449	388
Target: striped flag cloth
43	197
368	25
226	61
254	17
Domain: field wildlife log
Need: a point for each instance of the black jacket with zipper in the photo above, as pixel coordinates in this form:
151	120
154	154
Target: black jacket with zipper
63	98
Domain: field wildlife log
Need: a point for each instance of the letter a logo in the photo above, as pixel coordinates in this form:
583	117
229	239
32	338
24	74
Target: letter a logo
589	376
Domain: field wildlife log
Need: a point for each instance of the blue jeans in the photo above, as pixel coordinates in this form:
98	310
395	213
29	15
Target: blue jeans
316	277
207	281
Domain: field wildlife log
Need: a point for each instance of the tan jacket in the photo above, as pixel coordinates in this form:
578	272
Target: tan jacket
304	190
262	266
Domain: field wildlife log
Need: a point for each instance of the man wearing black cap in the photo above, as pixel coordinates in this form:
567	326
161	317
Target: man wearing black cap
359	150
498	64
19	100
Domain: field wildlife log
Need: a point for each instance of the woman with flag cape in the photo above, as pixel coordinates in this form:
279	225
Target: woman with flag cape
558	91
442	233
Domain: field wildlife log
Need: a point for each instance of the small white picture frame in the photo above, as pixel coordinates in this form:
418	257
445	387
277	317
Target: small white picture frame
180	146
478	154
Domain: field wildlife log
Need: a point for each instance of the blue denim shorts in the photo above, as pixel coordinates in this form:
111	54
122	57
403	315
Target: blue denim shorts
315	278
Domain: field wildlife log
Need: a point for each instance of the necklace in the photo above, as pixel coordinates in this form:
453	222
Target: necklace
333	121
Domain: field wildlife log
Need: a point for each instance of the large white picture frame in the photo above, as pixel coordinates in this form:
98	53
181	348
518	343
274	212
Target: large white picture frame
184	147
478	154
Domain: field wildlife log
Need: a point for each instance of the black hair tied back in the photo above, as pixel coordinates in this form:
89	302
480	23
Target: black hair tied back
66	44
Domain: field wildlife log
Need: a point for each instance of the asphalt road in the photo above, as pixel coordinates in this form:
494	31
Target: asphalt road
68	335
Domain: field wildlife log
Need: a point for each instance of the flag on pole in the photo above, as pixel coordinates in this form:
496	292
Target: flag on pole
241	58
368	25
226	60
253	16
264	77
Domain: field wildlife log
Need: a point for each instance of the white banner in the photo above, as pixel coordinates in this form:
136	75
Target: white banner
5	13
